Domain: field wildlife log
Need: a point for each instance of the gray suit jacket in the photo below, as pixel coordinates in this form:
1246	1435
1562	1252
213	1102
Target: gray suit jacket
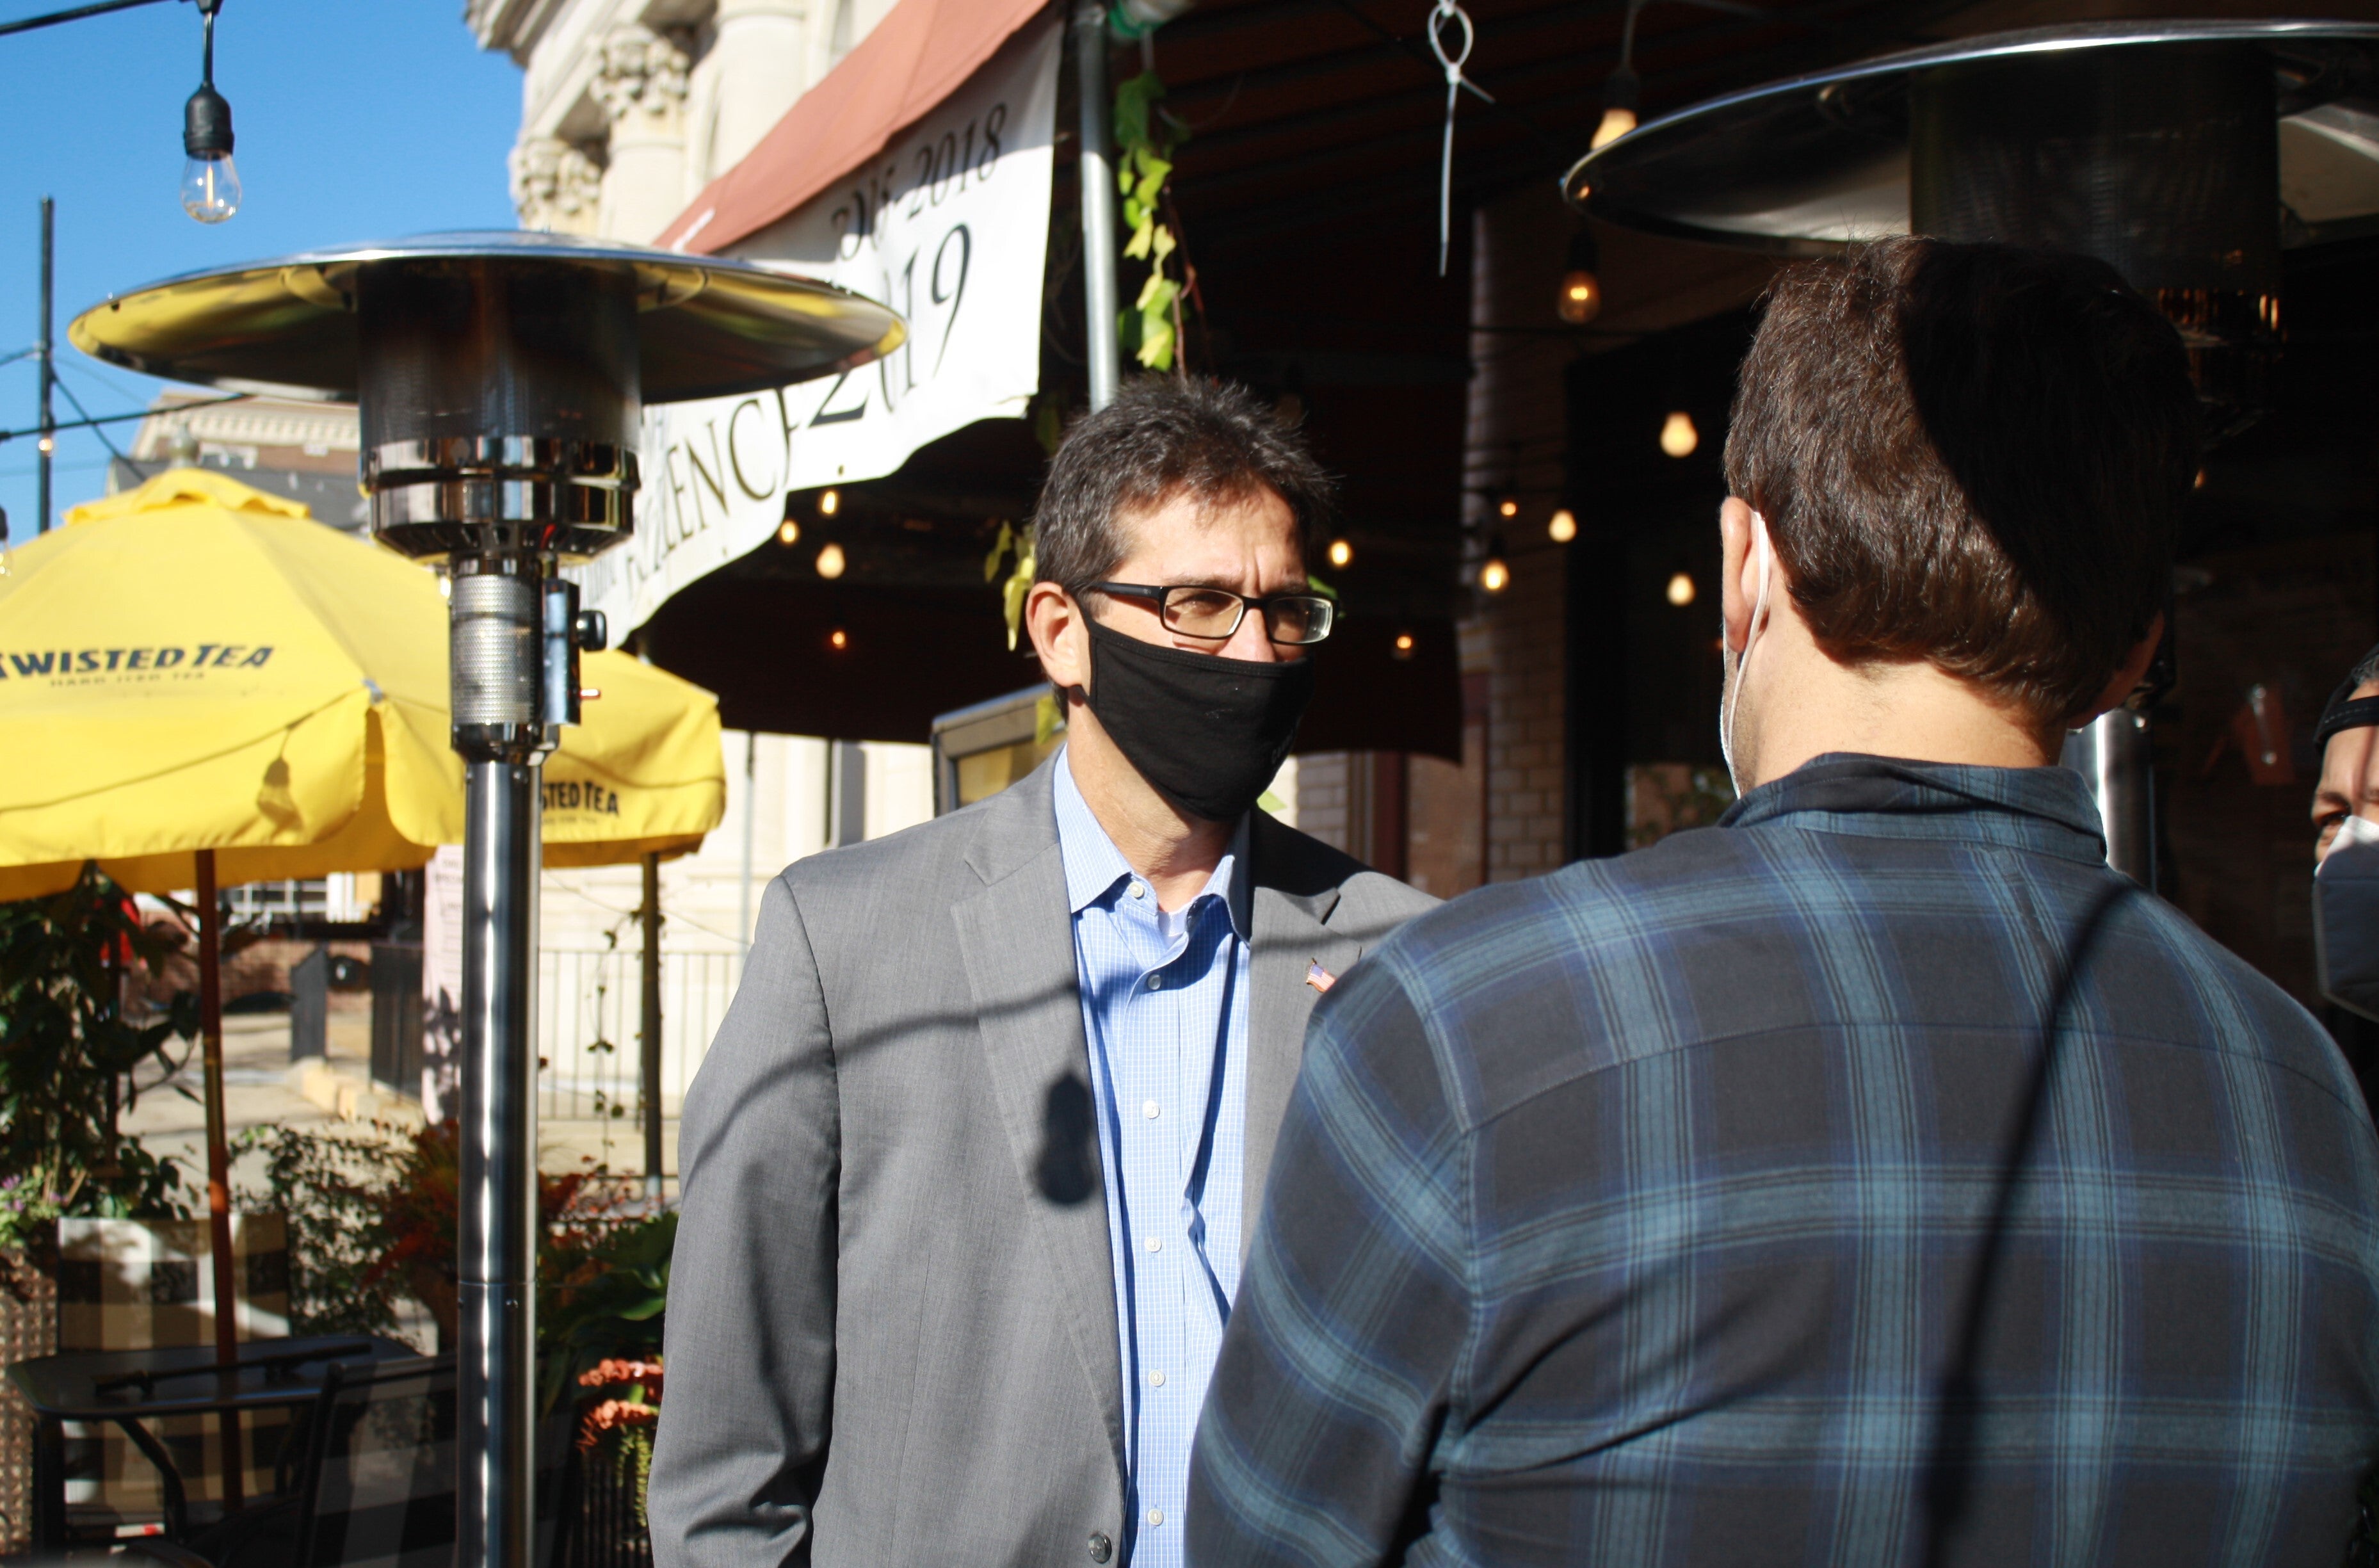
892	1321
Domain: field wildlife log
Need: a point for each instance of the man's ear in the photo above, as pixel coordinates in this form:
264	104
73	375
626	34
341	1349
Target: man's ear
1054	621
1738	575
2127	677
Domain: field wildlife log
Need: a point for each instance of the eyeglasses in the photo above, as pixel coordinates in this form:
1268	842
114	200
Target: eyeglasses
1216	613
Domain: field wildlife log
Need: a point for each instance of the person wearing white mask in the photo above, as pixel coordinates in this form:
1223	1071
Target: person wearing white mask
1876	1176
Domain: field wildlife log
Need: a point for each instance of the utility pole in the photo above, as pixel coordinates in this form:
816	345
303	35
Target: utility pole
48	424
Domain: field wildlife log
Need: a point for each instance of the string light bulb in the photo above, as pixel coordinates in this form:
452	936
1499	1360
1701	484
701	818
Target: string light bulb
1563	527
837	639
49	444
1581	287
1681	590
829	502
1619	99
1678	437
830	562
789	532
1402	648
1342	554
1493	574
1508	507
210	189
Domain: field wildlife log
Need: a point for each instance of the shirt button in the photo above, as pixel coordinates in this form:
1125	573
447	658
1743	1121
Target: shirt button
1151	1110
1156	1379
1157	1515
1101	1547
1140	889
1156	982
1156	1244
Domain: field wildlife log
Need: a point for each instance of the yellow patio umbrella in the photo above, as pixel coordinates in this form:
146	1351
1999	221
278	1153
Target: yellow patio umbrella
202	686
197	665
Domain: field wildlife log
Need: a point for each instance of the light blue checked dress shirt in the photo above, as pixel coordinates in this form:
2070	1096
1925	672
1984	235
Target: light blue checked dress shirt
1164	1008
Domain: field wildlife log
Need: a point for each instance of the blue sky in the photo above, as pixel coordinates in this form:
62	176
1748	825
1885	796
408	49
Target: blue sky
356	119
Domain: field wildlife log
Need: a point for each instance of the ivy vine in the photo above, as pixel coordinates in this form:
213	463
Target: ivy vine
1146	138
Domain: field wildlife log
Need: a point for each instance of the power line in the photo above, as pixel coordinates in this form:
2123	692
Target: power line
74	13
120	418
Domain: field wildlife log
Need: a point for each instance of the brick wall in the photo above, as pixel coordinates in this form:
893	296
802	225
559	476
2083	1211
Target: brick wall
1526	751
1515	444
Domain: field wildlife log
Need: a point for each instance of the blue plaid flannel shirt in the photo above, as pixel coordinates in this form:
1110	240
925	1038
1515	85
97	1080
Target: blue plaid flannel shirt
1636	1215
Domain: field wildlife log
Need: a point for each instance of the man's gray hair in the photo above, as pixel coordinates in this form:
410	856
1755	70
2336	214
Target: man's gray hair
1163	437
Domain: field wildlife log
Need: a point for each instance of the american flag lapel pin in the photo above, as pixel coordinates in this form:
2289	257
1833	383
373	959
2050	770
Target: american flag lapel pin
1320	978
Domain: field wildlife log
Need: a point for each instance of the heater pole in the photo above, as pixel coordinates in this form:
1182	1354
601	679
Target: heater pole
499	1221
498	672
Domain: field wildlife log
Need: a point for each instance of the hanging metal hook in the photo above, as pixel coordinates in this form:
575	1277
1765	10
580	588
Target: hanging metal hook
1448	11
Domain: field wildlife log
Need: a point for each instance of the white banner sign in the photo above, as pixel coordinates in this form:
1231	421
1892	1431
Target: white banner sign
948	226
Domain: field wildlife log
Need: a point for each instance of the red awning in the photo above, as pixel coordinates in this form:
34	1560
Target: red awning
916	56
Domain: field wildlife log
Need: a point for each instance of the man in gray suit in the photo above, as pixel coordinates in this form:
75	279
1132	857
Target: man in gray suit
972	1166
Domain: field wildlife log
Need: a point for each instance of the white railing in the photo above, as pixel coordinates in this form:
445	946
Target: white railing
589	1002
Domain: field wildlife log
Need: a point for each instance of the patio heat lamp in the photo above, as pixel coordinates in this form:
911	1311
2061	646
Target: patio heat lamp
500	378
2186	154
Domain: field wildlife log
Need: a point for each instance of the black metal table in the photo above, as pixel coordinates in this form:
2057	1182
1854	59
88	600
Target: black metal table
128	1387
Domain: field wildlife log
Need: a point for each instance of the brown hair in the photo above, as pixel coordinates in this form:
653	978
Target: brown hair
1972	454
1165	435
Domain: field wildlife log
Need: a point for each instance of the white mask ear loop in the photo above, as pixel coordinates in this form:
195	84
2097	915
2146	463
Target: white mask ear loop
1750	638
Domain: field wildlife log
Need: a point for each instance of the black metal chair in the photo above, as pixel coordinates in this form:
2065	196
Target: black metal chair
374	1478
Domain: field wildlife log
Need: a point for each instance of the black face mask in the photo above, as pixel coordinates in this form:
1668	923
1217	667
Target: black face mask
1208	732
2345	927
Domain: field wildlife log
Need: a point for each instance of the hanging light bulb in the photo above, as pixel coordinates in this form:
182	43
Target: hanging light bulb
1678	437
829	502
1681	590
1508	507
1619	92
1563	527
209	180
830	562
789	532
1493	574
1581	289
48	444
837	639
1342	554
1402	648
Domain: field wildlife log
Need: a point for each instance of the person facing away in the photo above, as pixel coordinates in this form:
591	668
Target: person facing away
970	1167
1876	1178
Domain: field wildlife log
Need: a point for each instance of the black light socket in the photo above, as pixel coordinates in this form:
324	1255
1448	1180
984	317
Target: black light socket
205	124
1620	90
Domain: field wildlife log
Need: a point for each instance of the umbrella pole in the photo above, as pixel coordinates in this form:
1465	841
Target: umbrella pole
648	1065
218	1154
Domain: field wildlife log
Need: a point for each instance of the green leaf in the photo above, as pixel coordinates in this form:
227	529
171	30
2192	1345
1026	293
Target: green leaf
999	548
1156	295
1271	802
1048	719
1134	99
1316	586
1156	345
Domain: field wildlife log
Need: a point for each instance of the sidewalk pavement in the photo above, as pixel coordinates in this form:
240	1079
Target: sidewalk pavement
263	1087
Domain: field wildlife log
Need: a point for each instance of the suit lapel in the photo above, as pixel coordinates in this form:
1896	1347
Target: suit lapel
1290	935
1018	951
